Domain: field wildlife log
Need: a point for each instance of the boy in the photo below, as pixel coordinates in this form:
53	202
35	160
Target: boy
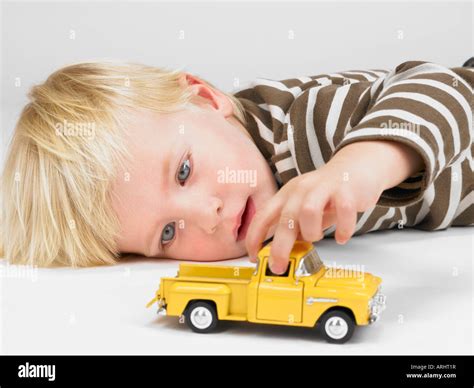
110	158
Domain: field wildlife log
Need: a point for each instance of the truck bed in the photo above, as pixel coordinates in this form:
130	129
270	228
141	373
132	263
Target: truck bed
235	278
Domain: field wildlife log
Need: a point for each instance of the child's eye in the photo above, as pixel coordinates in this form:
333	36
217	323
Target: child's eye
168	233
184	171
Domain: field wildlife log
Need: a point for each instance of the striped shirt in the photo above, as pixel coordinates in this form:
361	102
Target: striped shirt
299	123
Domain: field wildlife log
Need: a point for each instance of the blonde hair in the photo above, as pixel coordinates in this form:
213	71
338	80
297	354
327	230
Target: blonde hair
64	154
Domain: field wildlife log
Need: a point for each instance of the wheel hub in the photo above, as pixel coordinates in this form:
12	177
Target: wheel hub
336	327
201	317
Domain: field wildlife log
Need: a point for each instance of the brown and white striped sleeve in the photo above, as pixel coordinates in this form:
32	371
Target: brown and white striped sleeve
429	108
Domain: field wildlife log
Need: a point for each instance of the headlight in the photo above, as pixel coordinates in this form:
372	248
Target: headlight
376	305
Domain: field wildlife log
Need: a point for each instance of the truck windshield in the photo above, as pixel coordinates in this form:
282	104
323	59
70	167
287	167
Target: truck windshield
309	264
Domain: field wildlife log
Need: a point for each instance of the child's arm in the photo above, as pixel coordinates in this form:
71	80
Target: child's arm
419	110
350	182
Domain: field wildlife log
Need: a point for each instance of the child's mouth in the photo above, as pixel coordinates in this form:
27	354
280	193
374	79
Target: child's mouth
247	216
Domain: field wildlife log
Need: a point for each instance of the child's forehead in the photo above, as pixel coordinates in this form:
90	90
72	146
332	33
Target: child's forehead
145	123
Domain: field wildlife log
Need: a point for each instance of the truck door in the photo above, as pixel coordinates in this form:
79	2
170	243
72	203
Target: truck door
280	298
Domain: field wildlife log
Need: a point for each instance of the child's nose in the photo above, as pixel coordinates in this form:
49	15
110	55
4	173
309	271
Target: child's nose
206	213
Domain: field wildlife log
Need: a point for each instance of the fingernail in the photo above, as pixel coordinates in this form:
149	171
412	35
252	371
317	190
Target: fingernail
277	268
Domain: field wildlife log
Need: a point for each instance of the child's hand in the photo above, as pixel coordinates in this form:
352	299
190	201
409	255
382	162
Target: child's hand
352	181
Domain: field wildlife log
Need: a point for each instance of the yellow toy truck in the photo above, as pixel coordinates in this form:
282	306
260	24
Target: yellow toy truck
308	294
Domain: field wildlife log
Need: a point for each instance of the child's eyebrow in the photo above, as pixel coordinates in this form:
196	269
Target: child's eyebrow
165	170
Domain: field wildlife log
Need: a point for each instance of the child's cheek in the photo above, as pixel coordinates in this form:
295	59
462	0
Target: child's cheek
202	248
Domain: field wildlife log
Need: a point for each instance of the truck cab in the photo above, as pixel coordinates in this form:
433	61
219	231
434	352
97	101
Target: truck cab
287	289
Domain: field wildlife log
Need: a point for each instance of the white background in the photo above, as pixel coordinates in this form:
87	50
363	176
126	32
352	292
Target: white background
427	275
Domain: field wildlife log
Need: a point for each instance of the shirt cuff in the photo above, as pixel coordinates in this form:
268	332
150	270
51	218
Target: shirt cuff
412	189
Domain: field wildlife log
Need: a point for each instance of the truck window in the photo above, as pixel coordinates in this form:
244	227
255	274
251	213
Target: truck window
309	264
269	272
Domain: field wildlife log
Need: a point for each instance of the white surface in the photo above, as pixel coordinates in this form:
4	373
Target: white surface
427	277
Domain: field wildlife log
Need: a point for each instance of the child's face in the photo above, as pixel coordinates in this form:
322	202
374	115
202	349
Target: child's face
192	209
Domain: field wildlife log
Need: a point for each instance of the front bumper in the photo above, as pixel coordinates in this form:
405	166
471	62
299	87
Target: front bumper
376	306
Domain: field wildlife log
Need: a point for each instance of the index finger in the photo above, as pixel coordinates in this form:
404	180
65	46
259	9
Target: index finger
261	223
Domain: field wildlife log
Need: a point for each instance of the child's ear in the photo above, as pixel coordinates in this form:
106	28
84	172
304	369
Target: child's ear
207	94
187	79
